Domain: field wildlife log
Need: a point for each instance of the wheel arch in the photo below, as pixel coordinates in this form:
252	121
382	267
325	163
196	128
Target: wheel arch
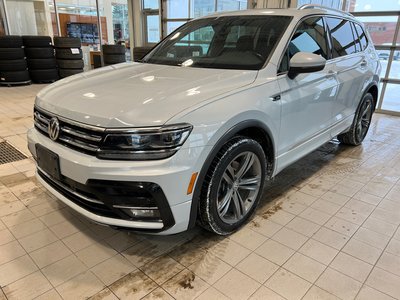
373	90
254	129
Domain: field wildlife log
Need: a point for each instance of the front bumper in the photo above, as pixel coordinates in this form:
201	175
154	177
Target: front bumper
169	179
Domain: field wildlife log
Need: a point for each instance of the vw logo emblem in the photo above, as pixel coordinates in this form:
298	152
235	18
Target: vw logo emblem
54	128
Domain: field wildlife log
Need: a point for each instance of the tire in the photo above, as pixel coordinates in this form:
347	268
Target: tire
42	63
32	41
67	42
13	65
232	154
113	49
14	77
361	122
114	58
67	54
70	64
48	75
10	41
39	52
11	53
69	72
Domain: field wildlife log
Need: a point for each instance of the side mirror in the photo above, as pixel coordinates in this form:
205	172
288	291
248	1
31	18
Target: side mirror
305	62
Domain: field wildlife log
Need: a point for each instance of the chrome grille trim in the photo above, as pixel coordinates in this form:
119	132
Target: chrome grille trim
91	137
78	143
81	137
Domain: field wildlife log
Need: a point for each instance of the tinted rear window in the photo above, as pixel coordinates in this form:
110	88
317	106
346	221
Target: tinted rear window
342	37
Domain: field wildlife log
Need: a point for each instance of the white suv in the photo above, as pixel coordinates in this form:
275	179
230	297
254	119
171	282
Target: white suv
193	131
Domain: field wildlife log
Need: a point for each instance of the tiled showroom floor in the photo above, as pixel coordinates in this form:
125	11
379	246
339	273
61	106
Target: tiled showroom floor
328	228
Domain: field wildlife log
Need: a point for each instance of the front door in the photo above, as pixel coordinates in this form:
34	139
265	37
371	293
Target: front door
307	100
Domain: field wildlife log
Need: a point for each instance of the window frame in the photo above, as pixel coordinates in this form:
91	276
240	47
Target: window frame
359	38
328	41
331	38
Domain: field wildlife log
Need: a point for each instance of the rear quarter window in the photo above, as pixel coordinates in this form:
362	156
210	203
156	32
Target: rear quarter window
362	36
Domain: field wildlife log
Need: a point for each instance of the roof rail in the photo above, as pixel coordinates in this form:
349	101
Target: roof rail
316	6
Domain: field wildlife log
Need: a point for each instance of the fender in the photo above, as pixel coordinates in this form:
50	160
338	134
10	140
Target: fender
227	136
370	85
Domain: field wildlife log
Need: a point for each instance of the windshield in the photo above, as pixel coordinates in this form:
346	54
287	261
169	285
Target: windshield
234	42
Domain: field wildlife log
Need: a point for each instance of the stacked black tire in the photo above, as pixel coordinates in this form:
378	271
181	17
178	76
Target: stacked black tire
13	66
40	56
69	56
113	54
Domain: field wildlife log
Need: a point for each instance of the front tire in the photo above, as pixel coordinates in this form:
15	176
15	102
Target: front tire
233	186
361	122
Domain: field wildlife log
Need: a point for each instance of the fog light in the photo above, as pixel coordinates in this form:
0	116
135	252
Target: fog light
142	213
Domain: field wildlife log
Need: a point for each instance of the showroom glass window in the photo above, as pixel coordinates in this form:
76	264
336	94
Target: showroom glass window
178	12
151	22
381	18
310	36
337	4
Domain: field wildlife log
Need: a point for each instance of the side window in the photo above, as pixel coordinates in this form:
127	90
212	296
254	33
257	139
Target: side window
342	37
310	36
362	36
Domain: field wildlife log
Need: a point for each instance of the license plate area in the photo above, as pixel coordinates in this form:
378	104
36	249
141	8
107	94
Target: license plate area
48	161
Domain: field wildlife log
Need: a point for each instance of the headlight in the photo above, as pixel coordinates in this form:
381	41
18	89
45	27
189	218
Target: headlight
144	144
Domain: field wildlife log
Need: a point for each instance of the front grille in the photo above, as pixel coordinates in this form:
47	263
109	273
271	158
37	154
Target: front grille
112	198
74	135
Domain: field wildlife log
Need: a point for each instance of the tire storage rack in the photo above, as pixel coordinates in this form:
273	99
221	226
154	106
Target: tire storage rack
13	66
113	54
40	56
69	56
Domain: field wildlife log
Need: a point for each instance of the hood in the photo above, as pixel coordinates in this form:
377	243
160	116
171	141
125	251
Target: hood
137	94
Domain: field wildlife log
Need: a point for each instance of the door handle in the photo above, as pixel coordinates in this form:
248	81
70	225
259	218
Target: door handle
276	97
331	74
364	63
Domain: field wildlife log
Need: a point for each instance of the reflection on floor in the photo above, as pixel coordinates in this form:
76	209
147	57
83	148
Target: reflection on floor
327	228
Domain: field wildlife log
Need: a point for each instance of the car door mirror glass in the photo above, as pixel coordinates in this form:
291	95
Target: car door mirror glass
305	62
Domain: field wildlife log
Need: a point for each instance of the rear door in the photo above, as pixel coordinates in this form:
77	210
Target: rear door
307	99
351	68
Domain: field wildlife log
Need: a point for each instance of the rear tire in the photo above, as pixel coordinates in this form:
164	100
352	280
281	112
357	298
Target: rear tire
70	64
11	41
11	53
67	54
33	41
40	76
67	42
13	65
69	72
361	122
41	63
14	77
113	49
47	52
114	58
233	186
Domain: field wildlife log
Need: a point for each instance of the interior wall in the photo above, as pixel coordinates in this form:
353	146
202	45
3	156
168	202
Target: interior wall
21	17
